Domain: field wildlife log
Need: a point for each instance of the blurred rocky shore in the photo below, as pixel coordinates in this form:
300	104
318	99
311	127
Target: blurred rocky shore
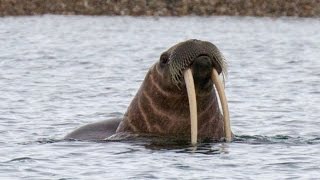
301	8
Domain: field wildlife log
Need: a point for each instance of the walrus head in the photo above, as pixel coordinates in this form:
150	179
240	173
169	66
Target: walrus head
200	56
161	105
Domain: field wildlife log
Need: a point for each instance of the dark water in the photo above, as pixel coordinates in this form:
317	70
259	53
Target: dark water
60	72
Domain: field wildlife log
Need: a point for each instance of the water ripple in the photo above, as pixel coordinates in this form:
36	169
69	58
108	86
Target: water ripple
60	72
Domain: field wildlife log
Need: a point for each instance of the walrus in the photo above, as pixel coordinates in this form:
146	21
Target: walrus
165	103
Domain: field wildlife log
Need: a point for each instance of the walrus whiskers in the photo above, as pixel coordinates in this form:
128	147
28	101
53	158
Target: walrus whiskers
192	105
224	104
181	58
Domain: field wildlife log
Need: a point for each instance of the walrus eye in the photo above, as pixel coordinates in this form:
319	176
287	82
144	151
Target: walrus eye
164	58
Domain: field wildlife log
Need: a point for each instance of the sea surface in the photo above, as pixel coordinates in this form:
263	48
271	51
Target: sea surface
60	72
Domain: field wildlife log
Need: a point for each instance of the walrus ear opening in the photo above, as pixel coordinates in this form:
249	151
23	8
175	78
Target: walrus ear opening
164	58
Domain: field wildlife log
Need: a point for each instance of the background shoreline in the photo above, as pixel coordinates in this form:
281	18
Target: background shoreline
269	8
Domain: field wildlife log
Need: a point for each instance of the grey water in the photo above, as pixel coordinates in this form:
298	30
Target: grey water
60	72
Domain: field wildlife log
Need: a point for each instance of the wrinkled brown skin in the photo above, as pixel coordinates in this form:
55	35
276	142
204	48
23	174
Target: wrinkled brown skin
168	111
161	107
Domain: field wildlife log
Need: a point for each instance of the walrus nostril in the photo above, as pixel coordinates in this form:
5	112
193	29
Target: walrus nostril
203	61
201	69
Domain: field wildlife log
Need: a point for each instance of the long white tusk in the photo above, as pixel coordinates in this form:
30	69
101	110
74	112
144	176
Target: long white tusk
192	105
224	104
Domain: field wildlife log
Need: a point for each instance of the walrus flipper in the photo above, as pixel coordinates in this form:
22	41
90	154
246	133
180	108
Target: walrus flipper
95	131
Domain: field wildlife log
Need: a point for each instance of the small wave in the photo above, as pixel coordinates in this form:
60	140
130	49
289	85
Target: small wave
277	139
41	141
21	159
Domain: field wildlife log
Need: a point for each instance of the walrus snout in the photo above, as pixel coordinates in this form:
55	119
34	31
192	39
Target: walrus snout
201	71
184	54
202	66
203	62
206	62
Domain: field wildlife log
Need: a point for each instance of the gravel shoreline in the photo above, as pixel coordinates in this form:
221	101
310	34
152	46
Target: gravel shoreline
273	8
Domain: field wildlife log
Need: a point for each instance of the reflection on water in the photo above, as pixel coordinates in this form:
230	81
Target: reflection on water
60	72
